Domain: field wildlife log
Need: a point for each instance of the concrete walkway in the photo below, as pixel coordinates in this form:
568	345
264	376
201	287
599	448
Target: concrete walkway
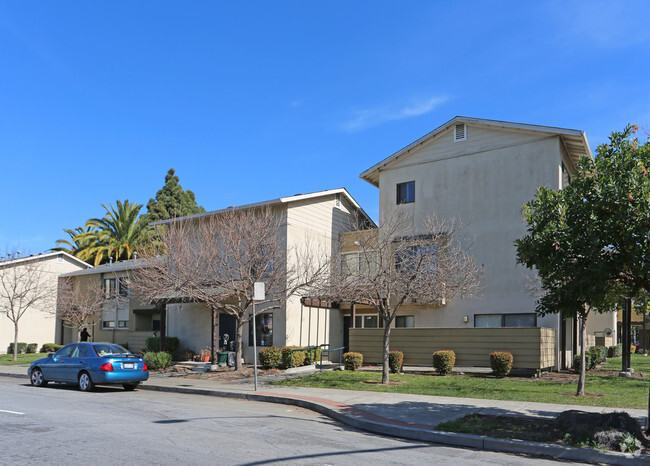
399	415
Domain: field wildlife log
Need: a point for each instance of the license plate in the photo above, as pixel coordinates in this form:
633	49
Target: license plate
128	365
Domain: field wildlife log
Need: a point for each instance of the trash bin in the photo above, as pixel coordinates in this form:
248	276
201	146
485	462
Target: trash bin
222	358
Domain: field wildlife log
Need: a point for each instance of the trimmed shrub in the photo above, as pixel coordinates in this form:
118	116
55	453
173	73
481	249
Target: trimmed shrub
600	352
298	357
395	361
501	363
32	347
158	360
50	348
22	347
270	357
352	361
313	356
590	358
614	351
171	345
444	361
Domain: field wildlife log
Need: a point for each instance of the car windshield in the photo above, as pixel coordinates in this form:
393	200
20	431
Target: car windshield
105	349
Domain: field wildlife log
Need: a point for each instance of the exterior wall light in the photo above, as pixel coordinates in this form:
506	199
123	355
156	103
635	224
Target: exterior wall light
465	319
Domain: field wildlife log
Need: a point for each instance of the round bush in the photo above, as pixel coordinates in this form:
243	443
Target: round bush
395	361
270	357
298	357
501	363
444	361
157	360
352	361
50	348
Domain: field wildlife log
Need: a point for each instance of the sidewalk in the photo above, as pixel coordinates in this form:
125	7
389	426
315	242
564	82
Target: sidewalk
399	415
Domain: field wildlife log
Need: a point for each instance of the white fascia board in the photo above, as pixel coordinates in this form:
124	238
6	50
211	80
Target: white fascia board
47	255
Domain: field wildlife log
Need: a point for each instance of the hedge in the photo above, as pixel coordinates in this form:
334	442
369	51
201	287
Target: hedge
615	351
313	356
352	361
298	357
395	361
444	361
158	360
501	363
31	348
600	352
50	348
22	347
270	357
171	345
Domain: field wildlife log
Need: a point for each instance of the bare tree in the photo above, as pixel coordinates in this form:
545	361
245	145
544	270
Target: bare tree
217	259
392	266
79	303
24	285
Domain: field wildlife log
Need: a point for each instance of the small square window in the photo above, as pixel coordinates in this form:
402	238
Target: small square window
406	192
122	324
108	324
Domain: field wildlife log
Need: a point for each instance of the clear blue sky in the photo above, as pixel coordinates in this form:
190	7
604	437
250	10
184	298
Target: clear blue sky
250	101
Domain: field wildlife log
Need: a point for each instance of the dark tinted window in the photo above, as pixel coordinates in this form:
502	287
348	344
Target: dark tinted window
406	192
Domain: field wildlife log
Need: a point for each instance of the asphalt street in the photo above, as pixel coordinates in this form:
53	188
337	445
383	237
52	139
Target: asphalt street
61	425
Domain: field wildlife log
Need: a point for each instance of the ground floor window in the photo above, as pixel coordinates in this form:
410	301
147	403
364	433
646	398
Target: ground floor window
405	321
367	321
108	324
528	319
264	330
122	324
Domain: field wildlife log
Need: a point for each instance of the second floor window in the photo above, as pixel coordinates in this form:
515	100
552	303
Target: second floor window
406	192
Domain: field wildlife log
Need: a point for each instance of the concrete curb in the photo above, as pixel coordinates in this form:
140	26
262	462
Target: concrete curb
16	376
423	434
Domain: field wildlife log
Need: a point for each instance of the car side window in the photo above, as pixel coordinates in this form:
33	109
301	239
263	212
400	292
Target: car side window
81	351
64	352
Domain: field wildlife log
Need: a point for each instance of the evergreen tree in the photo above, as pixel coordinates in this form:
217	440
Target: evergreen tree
171	201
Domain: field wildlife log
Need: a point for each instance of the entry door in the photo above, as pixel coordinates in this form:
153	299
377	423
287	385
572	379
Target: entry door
347	323
227	326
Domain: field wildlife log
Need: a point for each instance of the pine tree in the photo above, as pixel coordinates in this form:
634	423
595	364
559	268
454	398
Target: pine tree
171	201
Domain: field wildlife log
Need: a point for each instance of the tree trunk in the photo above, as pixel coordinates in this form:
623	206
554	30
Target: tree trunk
16	341
385	370
78	335
215	335
239	345
583	356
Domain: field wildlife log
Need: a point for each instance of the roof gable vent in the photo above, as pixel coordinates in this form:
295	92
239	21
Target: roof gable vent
460	132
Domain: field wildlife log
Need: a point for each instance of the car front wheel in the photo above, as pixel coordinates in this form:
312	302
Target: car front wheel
85	382
37	378
130	386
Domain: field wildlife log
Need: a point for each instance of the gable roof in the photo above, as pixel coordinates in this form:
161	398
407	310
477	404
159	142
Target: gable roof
278	201
574	141
46	255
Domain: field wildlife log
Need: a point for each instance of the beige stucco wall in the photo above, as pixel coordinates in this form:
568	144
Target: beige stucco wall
39	325
484	182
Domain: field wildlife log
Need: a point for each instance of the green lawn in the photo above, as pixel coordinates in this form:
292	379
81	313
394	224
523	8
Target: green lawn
601	389
8	359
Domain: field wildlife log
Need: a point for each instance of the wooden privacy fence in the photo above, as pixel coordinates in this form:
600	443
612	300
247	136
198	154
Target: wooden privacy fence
531	347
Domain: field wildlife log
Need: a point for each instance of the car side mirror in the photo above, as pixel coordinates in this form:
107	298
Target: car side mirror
49	355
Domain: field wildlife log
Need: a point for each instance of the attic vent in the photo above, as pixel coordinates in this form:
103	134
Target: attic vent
337	200
460	132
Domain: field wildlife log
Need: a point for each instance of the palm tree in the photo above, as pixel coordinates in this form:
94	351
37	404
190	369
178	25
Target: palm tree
117	235
75	244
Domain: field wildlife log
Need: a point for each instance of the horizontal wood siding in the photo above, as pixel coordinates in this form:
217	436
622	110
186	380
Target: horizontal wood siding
532	348
138	340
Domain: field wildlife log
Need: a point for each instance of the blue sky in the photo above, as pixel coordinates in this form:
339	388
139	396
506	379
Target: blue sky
250	101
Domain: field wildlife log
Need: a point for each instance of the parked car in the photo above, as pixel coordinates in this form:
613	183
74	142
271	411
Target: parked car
88	364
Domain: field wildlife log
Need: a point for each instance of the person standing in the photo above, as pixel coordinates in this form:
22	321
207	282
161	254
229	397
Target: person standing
84	334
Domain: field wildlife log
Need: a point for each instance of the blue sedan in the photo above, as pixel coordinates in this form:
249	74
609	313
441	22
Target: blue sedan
87	364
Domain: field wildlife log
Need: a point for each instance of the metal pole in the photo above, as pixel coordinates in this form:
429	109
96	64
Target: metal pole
627	315
254	346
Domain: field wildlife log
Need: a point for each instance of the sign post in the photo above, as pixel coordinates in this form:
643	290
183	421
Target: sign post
258	295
